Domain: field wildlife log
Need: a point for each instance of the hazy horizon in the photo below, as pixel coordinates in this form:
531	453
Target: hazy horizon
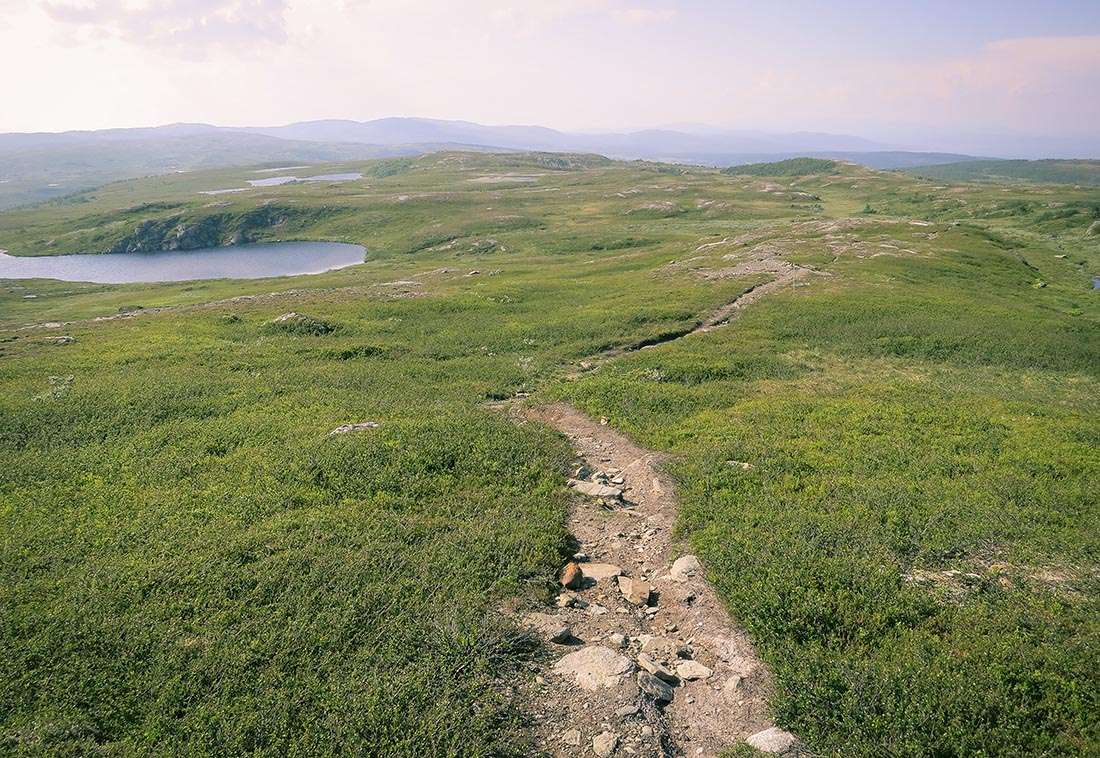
933	77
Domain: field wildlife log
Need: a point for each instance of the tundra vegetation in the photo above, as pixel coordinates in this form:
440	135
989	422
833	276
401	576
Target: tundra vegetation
192	564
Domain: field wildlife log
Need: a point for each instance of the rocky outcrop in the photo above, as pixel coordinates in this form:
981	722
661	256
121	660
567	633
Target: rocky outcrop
185	232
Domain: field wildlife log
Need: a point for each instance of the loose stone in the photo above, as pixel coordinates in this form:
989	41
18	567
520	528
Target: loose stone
685	567
691	670
773	740
604	744
571	576
654	687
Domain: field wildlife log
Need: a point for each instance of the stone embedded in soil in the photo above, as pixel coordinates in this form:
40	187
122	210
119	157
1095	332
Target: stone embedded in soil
661	646
594	667
773	740
656	668
685	567
601	572
561	635
731	690
634	590
690	670
626	710
571	576
572	738
548	627
595	489
617	639
655	688
604	744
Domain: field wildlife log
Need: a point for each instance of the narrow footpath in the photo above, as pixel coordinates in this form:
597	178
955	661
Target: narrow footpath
647	662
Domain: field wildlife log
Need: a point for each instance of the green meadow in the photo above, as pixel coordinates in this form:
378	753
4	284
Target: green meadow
191	564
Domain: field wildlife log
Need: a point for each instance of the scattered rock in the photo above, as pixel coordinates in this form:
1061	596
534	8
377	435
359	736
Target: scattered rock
731	690
594	667
297	323
571	576
572	738
659	646
595	489
562	635
685	567
604	744
626	710
744	466
655	688
690	670
1093	230
773	740
63	340
616	639
634	590
357	427
601	572
657	669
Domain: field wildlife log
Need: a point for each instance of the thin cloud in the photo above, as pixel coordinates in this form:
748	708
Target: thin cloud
644	15
192	24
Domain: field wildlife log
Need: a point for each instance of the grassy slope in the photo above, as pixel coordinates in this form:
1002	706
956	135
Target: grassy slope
193	565
1058	171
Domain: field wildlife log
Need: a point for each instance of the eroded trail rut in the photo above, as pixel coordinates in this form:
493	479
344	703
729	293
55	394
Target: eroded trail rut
647	662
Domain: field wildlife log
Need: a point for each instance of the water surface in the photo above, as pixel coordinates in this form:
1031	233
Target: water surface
235	262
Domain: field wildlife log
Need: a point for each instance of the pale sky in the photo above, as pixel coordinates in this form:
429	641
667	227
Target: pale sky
872	68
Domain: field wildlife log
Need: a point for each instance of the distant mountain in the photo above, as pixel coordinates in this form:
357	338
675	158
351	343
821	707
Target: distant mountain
40	166
37	167
639	144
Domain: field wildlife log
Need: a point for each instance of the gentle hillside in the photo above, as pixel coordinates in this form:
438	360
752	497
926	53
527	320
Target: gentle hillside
40	166
1085	172
875	397
789	167
37	168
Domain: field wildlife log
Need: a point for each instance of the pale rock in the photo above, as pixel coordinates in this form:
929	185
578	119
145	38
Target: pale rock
656	668
572	738
691	670
604	744
634	590
731	690
773	740
660	646
594	667
361	426
685	567
595	489
601	572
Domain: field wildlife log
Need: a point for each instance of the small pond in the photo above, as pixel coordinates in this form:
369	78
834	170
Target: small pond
234	262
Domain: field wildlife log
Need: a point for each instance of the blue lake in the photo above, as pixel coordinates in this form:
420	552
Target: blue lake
235	262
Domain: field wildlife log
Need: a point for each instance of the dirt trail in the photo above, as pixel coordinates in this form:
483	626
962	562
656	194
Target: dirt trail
785	275
600	695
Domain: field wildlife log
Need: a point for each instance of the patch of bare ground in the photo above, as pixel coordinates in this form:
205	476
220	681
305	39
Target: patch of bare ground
646	660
